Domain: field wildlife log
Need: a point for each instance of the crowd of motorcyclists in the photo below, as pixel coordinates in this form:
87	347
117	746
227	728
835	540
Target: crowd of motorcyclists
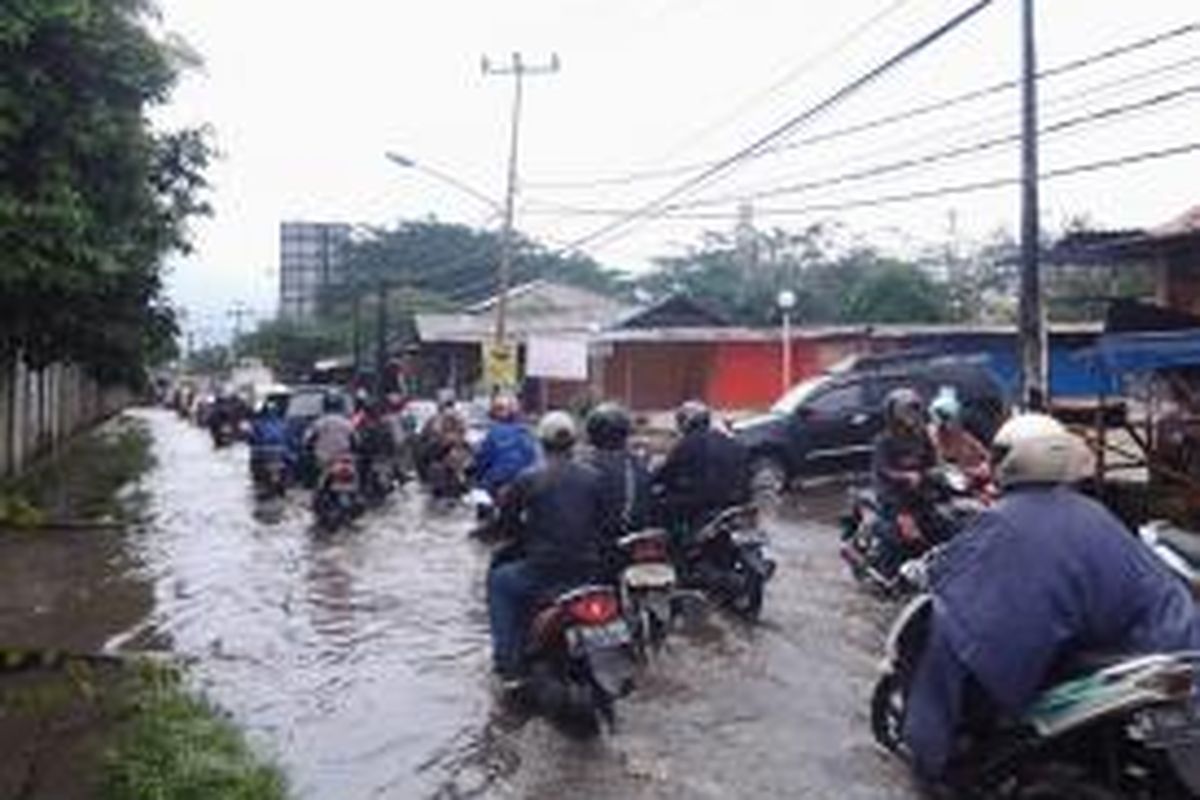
1041	574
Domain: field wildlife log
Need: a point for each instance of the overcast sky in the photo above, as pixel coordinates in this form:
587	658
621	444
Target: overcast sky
305	96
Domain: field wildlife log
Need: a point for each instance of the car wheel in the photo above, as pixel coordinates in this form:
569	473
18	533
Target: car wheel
768	481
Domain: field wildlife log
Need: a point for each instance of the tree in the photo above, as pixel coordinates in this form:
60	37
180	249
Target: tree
290	348
833	283
91	197
436	266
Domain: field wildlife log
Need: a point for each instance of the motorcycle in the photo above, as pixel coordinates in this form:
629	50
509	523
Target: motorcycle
728	560
1177	548
379	480
223	433
873	546
337	500
1109	727
647	587
268	470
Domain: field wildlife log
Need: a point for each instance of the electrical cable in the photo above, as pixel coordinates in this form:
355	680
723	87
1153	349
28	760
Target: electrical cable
789	125
889	119
943	191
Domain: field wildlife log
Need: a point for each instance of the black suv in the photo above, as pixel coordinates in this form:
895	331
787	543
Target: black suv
827	424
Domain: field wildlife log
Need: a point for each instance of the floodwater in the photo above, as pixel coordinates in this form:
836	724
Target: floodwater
359	660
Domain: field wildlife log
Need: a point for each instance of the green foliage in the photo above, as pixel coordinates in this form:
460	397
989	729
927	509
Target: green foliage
179	747
742	277
290	348
212	360
91	198
438	265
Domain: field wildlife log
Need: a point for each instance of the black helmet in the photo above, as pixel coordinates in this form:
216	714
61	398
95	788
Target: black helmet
903	406
608	426
693	416
333	403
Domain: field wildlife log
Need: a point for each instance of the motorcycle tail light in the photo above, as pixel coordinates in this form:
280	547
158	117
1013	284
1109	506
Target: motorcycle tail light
648	550
343	471
595	608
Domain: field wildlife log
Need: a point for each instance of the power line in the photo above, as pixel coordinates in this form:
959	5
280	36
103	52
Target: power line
791	124
889	119
792	75
942	191
1106	114
1103	115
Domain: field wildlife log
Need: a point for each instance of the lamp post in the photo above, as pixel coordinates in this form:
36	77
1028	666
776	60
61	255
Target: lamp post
409	163
786	300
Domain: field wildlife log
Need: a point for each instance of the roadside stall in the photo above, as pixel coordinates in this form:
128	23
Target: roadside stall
1154	429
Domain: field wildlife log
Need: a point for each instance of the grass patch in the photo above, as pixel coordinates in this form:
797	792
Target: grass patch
82	481
175	746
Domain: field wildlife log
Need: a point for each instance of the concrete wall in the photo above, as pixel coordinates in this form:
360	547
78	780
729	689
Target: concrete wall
39	409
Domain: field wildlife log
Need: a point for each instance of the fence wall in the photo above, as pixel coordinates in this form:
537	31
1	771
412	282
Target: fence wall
40	409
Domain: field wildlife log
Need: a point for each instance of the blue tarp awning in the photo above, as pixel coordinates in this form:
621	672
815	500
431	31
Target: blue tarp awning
1117	353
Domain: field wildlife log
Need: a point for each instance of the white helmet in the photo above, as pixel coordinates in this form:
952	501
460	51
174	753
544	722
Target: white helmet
1037	448
556	430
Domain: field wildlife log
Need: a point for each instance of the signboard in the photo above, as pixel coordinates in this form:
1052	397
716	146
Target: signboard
563	359
499	365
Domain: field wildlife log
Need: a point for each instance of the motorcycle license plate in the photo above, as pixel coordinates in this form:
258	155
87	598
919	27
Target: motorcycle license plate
612	634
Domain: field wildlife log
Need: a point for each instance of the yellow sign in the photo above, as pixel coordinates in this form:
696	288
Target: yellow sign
499	365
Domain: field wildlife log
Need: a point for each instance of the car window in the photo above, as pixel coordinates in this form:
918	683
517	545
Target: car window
838	400
308	404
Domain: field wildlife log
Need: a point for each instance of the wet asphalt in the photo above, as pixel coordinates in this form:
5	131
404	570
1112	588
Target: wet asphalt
359	660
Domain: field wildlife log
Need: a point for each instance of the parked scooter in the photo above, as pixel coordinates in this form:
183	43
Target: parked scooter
647	586
1110	727
728	559
874	547
337	499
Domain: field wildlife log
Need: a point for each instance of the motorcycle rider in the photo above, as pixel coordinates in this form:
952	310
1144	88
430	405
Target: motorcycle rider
444	452
953	442
373	437
625	481
705	472
268	438
902	457
331	435
1044	575
506	451
554	511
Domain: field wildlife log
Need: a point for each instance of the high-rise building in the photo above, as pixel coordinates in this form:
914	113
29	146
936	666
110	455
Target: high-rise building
312	255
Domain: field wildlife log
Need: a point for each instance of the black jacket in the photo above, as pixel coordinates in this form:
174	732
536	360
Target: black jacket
625	489
556	511
706	471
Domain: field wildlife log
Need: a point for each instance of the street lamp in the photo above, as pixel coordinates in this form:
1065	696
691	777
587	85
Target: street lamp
407	163
786	300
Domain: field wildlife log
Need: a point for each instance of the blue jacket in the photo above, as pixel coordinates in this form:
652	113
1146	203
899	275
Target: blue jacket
507	451
268	431
1045	574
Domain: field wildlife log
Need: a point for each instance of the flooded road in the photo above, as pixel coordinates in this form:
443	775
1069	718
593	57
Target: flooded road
360	660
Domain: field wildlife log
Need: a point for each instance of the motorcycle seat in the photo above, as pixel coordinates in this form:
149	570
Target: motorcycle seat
1084	663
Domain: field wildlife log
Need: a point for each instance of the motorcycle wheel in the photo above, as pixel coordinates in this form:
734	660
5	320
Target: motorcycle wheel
887	713
748	602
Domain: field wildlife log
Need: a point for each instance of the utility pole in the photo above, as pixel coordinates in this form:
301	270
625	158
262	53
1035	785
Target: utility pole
381	298
238	312
518	69
1032	333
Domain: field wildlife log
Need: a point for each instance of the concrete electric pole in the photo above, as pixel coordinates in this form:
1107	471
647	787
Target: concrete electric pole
518	69
1032	333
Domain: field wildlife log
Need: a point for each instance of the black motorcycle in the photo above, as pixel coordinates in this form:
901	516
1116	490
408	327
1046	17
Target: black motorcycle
1106	727
337	500
580	658
874	546
378	480
728	559
269	472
